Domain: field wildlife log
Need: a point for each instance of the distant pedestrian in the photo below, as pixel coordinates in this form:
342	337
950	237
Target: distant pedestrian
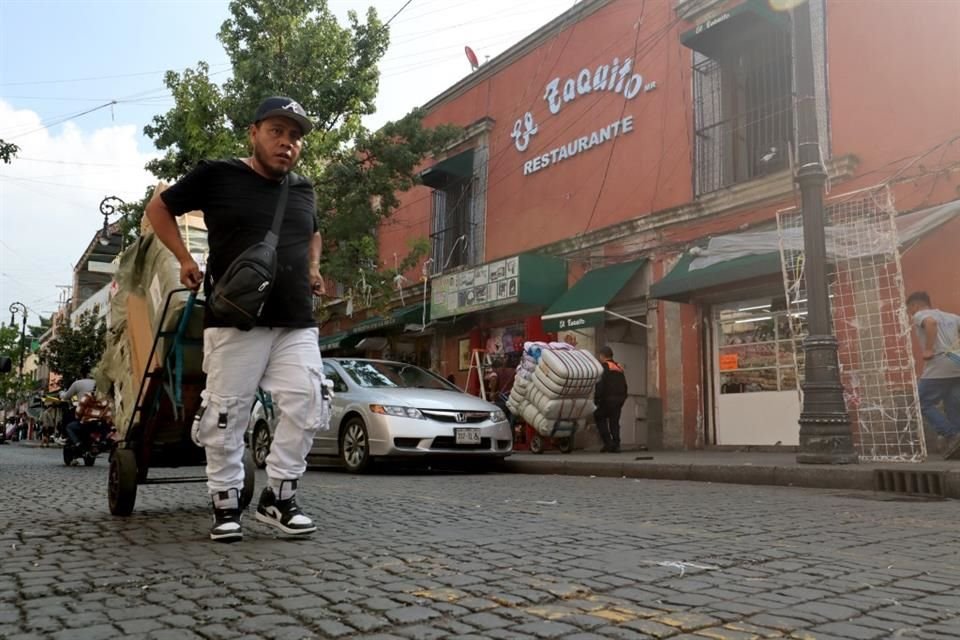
23	426
49	419
938	333
611	393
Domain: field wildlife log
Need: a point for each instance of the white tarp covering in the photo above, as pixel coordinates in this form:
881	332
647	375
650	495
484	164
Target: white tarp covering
840	244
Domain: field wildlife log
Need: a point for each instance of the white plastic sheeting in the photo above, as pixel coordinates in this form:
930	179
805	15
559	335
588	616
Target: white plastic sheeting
843	241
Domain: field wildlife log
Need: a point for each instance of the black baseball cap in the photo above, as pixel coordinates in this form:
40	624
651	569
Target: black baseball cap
285	107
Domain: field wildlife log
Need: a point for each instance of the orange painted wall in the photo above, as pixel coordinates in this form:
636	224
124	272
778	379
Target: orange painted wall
894	77
645	170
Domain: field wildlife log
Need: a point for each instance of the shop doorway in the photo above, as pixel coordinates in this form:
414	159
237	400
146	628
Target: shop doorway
633	418
755	363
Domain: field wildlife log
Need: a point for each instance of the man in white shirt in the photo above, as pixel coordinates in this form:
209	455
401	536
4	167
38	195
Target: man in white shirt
938	333
78	389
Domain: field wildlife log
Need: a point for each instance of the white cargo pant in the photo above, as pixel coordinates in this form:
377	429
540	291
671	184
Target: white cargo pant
285	362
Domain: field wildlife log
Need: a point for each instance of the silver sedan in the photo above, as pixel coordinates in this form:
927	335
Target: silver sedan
383	408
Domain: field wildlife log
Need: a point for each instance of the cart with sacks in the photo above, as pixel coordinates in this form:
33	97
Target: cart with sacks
152	365
552	394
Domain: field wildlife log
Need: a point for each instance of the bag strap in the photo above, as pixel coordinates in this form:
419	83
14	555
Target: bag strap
273	236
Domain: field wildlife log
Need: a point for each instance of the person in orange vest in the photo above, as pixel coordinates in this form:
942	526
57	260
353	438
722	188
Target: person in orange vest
609	397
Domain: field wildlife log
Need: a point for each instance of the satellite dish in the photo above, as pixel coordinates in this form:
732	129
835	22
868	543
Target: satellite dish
472	57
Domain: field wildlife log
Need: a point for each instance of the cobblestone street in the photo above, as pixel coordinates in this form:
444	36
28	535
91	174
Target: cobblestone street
422	556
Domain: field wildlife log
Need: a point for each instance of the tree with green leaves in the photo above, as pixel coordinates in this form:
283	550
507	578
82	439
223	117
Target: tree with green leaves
8	151
297	48
13	386
37	330
76	349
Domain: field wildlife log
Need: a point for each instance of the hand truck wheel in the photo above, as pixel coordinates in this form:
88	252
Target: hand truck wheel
122	482
536	444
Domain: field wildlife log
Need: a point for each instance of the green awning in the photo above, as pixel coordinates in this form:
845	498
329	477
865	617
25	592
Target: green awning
453	169
583	305
411	314
682	283
710	36
332	341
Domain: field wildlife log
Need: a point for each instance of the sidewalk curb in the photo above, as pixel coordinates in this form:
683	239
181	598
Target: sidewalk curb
850	478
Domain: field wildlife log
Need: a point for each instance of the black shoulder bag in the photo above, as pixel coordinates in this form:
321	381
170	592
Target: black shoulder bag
238	297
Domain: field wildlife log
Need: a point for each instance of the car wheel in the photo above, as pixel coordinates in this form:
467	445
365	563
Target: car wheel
355	446
260	444
249	480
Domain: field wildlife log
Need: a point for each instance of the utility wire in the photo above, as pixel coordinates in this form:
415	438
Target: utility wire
71	163
90	79
134	98
62	119
399	11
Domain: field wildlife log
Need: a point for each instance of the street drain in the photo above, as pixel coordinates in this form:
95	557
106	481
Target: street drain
913	483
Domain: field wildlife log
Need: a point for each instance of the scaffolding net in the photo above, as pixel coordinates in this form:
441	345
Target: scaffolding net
870	320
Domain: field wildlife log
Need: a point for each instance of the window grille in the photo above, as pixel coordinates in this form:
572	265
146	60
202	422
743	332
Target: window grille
743	110
456	229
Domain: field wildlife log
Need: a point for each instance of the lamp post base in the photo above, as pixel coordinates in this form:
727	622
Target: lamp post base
825	433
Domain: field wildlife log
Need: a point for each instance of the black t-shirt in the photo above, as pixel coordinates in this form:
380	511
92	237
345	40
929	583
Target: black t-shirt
238	206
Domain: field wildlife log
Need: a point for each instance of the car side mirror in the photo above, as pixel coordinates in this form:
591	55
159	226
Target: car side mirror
6	364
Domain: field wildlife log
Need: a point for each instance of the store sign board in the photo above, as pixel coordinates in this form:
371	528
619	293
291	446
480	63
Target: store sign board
490	285
618	77
573	322
528	278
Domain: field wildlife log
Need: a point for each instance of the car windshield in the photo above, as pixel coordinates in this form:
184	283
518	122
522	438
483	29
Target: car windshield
397	375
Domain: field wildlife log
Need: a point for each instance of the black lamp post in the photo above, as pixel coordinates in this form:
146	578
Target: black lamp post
825	435
109	206
22	309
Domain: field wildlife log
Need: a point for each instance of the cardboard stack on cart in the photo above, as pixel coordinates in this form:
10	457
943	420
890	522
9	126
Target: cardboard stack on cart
146	274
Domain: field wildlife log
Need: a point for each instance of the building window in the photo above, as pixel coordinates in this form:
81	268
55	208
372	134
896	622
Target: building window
743	99
456	229
453	221
759	346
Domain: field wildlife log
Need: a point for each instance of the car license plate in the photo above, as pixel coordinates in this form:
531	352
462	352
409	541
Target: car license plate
467	436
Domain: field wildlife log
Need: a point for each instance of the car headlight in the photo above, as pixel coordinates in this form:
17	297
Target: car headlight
400	412
498	416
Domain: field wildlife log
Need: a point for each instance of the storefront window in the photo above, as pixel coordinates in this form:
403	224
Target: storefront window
758	345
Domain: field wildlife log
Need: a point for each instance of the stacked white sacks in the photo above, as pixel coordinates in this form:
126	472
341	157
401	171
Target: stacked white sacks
554	382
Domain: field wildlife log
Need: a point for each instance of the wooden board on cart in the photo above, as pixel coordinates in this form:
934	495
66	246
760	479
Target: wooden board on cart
140	334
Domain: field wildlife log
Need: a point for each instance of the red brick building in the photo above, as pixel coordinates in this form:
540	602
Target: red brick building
604	151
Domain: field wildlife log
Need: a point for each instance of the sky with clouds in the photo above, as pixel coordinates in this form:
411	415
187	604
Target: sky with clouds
59	59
